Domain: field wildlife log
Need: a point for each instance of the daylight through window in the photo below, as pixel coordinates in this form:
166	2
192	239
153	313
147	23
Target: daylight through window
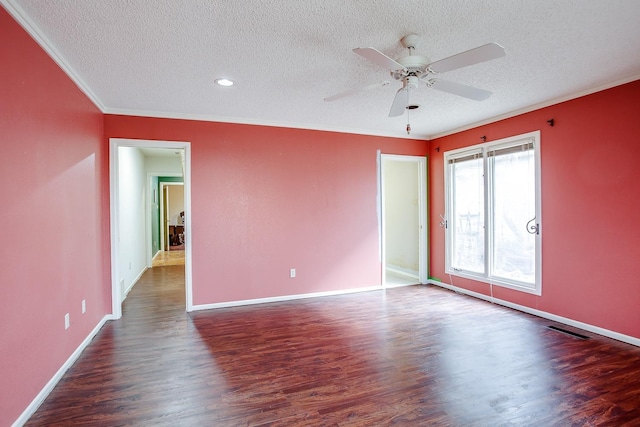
493	212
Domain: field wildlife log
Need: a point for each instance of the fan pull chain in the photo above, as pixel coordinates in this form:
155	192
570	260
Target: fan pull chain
408	112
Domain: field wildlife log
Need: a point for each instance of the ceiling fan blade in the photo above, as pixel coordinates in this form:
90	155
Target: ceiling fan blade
474	56
353	91
379	58
400	103
459	89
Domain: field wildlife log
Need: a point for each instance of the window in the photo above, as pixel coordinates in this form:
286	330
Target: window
493	212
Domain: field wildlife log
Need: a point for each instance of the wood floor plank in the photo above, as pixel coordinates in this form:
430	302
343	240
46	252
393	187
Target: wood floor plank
409	356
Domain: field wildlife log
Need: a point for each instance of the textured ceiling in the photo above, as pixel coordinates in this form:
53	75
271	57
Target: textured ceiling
160	57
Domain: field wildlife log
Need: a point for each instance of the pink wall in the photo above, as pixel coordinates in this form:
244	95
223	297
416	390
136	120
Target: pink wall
55	248
590	205
267	199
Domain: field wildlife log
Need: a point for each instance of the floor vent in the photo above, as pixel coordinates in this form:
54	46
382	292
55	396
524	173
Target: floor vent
573	334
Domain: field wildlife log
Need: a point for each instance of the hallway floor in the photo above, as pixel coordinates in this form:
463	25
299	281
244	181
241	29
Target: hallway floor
165	258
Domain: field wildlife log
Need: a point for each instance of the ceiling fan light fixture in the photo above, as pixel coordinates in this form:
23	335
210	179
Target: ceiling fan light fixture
224	82
413	70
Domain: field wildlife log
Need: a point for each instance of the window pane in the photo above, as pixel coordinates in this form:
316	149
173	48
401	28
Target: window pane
468	215
513	206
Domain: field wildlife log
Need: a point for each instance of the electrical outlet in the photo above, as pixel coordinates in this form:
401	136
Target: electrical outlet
292	272
67	321
84	306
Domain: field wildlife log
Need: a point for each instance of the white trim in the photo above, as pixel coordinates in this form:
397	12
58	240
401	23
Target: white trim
163	238
409	274
187	227
482	151
37	401
116	298
149	219
423	242
32	29
545	315
423	249
537	106
480	147
133	283
402	285
114	144
383	231
283	298
401	134
379	209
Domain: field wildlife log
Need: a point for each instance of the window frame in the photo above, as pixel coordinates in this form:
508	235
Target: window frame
484	149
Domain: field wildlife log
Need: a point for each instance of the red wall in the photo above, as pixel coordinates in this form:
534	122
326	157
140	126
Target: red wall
55	249
267	199
590	203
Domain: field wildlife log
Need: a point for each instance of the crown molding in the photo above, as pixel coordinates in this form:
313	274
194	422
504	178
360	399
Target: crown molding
33	30
538	106
270	123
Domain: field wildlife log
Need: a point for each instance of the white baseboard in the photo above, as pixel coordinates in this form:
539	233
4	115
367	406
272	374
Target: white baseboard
400	285
35	404
133	283
283	298
409	274
31	409
585	326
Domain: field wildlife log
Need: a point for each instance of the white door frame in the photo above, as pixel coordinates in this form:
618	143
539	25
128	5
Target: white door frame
150	200
163	235
422	213
114	145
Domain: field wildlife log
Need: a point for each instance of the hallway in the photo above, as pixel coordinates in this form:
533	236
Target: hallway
136	367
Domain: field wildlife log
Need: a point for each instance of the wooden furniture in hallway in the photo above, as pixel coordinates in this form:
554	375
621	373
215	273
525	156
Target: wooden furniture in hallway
410	356
176	235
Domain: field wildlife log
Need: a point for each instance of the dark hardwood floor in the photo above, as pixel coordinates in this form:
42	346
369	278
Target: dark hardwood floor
411	356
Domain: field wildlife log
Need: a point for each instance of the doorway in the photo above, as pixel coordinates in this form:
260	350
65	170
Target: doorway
403	208
172	233
130	214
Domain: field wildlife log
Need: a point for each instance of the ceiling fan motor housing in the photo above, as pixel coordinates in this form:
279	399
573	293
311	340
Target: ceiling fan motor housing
415	65
410	82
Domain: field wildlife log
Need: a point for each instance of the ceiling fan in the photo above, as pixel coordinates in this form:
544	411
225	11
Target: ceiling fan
412	69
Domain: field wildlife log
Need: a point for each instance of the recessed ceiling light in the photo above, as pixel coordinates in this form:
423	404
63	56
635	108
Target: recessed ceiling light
224	82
